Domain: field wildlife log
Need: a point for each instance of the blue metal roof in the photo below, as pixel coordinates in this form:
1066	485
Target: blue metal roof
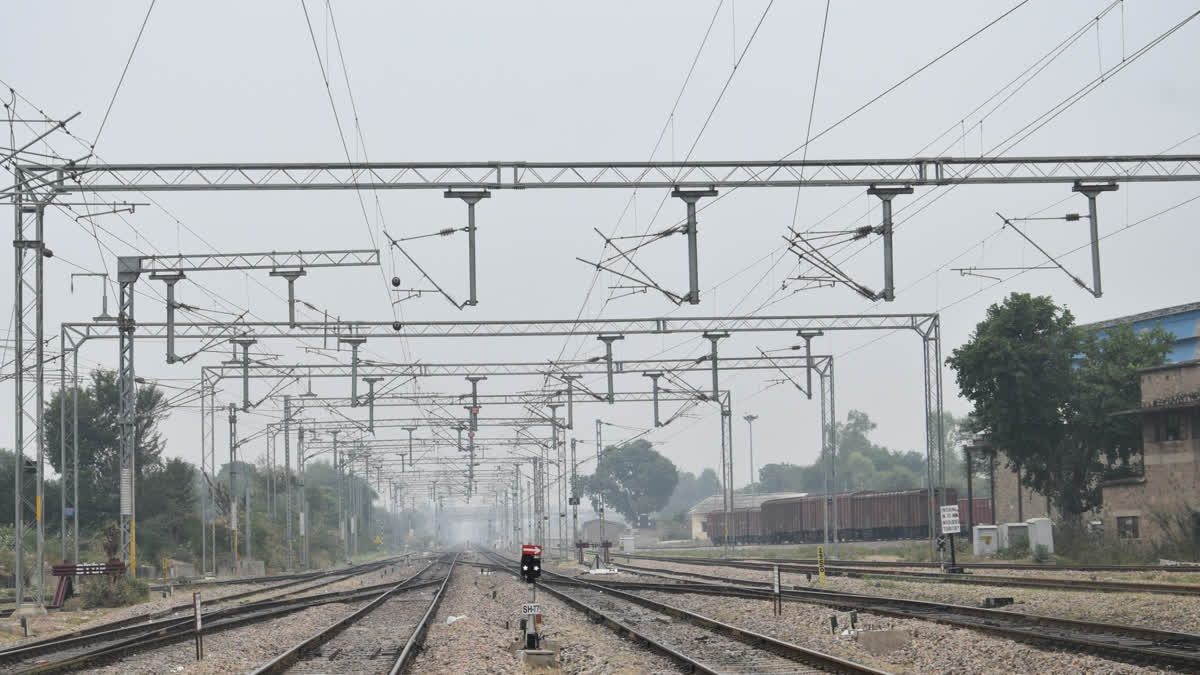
1182	321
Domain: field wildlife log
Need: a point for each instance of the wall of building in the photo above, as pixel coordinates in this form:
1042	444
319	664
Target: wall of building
1170	485
1032	504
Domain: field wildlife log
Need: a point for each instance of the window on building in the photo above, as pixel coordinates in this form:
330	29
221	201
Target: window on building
704	526
1170	427
1127	527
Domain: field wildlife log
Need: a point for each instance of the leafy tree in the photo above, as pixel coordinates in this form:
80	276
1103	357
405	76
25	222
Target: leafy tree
689	490
99	448
168	517
1044	389
633	479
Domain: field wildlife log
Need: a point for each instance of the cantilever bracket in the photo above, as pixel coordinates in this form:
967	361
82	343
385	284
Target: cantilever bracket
886	194
690	197
471	197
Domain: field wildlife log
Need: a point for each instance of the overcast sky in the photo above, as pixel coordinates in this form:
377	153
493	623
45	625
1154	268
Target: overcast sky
236	81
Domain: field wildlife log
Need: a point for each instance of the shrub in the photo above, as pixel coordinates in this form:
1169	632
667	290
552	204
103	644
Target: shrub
1018	547
1180	538
119	592
1041	554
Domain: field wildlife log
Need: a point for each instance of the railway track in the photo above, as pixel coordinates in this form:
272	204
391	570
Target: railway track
134	625
115	640
1132	644
381	637
1195	569
1044	583
701	643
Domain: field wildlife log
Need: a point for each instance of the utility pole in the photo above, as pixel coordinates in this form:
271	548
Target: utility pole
600	494
557	449
287	463
303	485
233	493
337	465
750	425
574	497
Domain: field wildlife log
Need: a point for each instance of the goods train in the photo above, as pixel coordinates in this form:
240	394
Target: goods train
862	516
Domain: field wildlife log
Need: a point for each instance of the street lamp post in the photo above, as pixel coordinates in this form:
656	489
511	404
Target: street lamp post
750	424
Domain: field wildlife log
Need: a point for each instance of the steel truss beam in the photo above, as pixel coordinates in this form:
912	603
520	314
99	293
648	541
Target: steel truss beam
368	369
518	175
79	332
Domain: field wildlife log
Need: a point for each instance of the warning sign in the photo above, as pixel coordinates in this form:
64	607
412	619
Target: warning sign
950	520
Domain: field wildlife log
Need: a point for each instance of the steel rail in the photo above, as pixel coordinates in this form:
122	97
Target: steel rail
152	634
1040	567
1134	644
297	652
846	570
404	660
810	657
142	622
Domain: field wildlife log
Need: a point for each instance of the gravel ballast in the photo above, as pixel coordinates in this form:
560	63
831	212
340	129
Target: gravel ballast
1151	610
480	643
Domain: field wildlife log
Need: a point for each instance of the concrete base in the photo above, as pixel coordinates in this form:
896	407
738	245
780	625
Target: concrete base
880	642
538	658
29	609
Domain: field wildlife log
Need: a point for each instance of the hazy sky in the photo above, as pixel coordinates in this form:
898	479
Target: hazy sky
236	81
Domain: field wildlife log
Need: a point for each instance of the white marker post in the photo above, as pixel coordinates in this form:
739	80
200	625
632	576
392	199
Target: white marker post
199	626
778	593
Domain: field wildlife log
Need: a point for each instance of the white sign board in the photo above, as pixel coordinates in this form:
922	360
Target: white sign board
531	608
196	609
950	520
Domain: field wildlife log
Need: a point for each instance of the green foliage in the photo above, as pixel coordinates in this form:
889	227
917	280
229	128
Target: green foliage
51	495
113	592
1180	538
633	479
99	451
169	491
864	465
689	490
1044	391
1017	549
1041	554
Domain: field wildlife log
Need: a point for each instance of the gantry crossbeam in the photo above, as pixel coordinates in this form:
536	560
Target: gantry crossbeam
268	260
519	175
78	332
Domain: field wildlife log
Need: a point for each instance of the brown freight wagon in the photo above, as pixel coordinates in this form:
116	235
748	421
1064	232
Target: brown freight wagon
747	526
862	516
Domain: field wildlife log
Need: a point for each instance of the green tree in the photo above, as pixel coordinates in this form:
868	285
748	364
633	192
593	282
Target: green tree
633	479
1044	389
99	449
689	490
168	519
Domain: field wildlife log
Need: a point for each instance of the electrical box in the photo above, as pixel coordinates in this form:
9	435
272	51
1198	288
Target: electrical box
1041	533
986	539
1012	534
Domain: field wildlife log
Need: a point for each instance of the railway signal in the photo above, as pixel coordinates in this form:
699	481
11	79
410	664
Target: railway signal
531	562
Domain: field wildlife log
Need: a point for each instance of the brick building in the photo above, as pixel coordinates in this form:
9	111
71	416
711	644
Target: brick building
1169	486
1015	502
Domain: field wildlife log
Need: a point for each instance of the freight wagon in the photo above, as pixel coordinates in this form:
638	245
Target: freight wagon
862	516
983	511
747	526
